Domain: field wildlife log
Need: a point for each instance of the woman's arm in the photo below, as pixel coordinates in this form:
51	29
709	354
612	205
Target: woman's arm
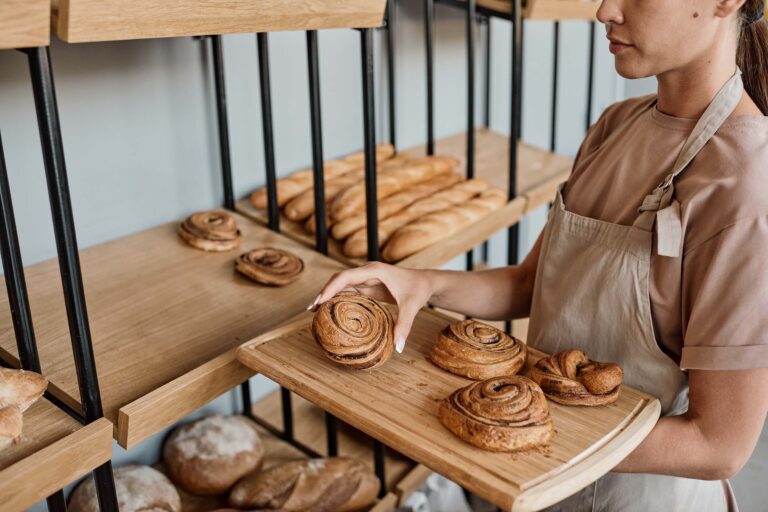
717	435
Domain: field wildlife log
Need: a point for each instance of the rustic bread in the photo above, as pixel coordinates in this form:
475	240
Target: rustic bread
139	489
20	387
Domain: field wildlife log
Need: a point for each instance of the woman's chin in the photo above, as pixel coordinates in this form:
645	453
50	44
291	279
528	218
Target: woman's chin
630	69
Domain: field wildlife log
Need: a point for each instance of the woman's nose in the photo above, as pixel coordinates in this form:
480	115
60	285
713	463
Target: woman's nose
610	11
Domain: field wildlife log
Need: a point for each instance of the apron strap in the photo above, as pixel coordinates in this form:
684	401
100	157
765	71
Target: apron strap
659	206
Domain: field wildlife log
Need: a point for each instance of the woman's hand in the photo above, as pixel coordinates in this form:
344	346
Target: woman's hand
409	289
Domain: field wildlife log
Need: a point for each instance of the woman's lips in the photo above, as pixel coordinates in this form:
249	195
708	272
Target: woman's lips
616	47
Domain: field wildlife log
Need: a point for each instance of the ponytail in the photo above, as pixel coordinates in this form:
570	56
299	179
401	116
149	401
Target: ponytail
752	55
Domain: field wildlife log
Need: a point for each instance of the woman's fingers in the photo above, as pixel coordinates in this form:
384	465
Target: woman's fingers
348	278
405	316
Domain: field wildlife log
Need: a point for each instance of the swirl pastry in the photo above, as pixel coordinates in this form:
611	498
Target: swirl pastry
270	266
210	231
502	414
478	351
354	330
570	378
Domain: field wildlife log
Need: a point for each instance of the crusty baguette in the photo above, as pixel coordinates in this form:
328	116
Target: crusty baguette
439	225
383	152
357	244
390	181
20	388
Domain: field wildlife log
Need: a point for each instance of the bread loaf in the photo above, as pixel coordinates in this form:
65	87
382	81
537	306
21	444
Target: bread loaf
209	455
139	489
10	425
391	181
436	226
335	484
383	152
20	388
357	244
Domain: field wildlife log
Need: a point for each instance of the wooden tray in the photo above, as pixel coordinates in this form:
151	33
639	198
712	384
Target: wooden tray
397	404
165	319
55	450
24	23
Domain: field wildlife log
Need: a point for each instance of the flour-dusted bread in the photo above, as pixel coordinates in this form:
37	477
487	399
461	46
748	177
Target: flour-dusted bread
21	388
10	425
209	455
139	489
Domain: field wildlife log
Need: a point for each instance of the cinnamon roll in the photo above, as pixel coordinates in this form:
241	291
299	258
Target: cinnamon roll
270	266
354	330
570	378
502	414
210	231
478	351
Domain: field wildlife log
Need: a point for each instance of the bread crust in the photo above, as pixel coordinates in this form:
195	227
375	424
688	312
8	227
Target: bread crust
270	266
570	378
139	489
213	231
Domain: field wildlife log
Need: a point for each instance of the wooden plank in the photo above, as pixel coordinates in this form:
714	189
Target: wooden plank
54	451
163	317
387	402
412	482
78	21
24	23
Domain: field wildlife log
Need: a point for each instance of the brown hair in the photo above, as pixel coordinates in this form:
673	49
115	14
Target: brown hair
752	55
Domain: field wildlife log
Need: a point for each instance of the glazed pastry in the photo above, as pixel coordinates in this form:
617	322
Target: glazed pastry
210	231
478	351
138	488
502	414
570	378
270	266
10	425
334	484
20	388
354	330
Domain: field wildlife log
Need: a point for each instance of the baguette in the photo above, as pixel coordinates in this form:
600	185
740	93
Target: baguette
391	181
357	244
439	225
383	152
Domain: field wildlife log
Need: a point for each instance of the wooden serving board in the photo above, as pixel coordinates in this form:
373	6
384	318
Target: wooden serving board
397	404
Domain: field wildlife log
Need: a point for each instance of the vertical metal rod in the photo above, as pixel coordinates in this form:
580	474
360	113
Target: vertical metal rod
262	44
69	260
470	23
245	391
285	401
56	502
221	111
379	462
332	433
591	73
429	18
369	130
391	71
321	234
487	71
555	73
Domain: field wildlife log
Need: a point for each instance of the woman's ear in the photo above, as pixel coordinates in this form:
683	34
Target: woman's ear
725	8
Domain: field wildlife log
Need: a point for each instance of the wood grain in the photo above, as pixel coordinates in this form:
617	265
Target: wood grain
163	317
78	21
387	403
55	450
24	23
547	9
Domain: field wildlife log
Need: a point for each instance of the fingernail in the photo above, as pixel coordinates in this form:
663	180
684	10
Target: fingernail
311	306
400	344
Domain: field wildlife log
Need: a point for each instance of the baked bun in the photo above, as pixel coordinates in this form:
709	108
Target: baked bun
570	378
478	351
209	455
10	425
270	266
354	330
214	231
334	484
502	414
20	387
139	489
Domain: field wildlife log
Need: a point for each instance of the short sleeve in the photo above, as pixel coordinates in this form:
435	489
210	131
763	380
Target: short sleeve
725	299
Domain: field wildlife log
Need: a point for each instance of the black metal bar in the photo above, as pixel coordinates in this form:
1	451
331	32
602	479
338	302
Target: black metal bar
69	261
221	111
470	22
481	10
332	433
369	131
591	71
429	21
56	502
379	462
487	72
391	71
262	44
555	73
321	231
285	401
245	392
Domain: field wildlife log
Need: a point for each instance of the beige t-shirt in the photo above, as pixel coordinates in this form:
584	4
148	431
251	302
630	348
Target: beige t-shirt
710	306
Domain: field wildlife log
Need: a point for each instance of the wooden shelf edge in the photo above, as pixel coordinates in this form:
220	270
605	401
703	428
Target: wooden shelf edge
13	361
24	24
386	504
411	483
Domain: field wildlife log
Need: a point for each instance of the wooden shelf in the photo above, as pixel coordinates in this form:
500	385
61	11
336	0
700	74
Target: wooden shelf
78	21
398	402
537	9
539	174
24	23
55	450
165	319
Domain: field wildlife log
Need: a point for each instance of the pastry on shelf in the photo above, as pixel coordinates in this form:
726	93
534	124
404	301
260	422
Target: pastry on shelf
207	456
214	231
478	351
570	378
139	489
336	484
354	330
20	387
270	266
502	414
10	425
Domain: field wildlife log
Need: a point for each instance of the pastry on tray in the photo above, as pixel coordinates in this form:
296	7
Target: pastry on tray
214	231
270	266
19	389
570	378
478	351
139	489
502	414
354	330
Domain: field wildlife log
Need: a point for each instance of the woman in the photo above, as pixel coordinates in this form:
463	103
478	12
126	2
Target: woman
654	255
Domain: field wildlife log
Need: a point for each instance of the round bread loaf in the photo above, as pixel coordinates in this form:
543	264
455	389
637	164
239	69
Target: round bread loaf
139	489
209	455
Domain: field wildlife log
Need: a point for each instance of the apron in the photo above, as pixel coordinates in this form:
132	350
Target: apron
592	293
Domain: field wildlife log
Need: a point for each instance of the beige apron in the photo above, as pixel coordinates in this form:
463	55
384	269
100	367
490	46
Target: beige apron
592	293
